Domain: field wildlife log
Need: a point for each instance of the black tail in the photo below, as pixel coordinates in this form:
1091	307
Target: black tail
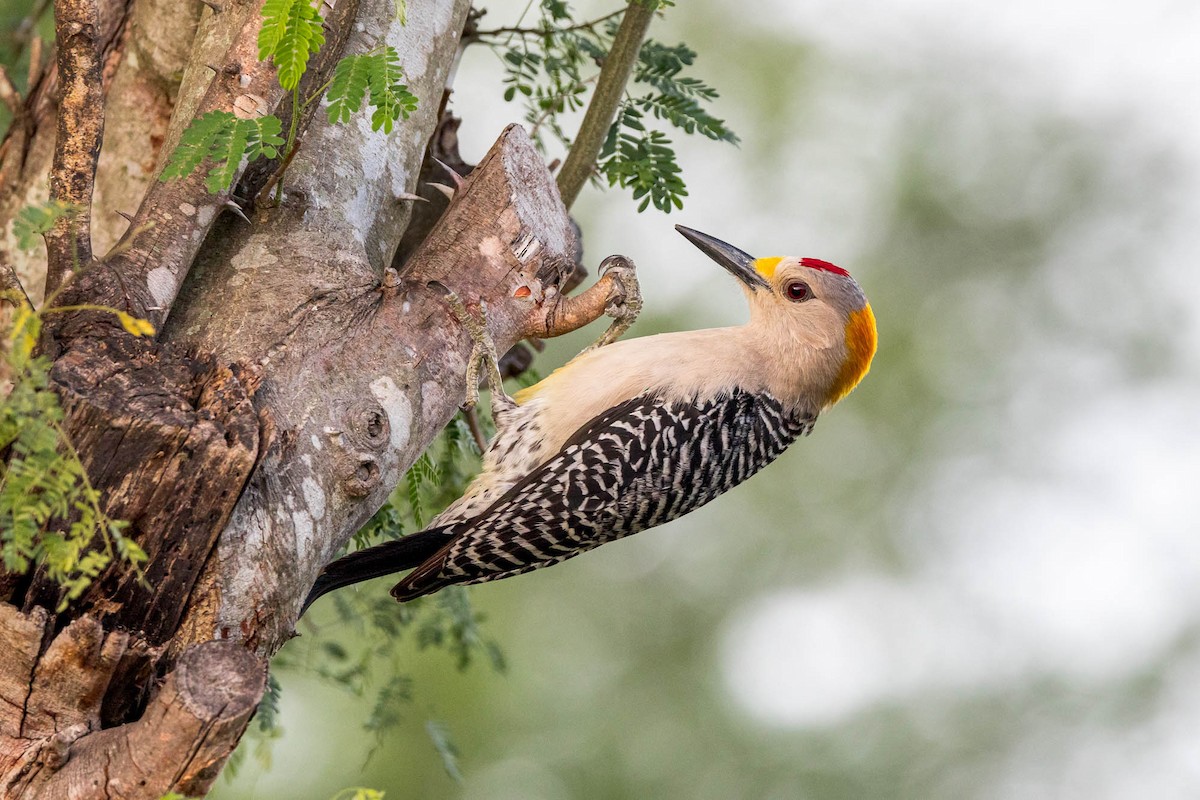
374	562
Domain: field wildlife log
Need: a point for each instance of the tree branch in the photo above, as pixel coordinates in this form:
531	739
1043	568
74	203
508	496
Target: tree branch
539	32
610	88
138	108
27	152
387	362
80	130
147	266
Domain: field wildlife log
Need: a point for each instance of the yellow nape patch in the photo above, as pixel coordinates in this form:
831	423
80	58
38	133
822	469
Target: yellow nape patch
529	392
861	340
766	266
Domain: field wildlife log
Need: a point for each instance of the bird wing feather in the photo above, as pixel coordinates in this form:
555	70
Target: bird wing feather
637	465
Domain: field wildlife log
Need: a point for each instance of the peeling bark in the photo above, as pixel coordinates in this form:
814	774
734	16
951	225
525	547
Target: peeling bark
171	440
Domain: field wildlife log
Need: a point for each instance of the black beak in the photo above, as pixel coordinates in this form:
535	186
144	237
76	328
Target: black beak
740	264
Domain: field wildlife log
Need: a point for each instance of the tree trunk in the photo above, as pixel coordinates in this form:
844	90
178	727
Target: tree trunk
295	377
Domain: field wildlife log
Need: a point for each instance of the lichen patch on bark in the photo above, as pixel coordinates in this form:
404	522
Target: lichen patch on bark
397	406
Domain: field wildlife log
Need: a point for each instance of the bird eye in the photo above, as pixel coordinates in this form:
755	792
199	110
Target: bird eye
798	291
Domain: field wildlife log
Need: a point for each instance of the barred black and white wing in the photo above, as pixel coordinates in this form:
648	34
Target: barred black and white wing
638	465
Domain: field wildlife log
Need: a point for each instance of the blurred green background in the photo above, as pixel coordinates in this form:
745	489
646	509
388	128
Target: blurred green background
980	576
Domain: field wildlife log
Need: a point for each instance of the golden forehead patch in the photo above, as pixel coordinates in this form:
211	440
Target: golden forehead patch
766	266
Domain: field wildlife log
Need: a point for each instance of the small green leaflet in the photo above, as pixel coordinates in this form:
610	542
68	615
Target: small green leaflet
348	87
373	75
33	221
225	140
291	32
643	161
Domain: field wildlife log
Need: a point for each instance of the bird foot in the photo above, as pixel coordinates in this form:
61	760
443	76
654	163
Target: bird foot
483	352
624	300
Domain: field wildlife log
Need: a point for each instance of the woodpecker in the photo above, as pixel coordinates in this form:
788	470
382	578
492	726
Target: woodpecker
639	432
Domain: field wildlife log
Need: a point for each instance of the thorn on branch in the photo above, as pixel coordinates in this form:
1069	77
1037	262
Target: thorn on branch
236	209
454	176
410	196
128	217
444	189
216	7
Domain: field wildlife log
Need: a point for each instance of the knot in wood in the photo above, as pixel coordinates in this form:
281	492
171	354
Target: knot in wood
369	426
220	680
361	476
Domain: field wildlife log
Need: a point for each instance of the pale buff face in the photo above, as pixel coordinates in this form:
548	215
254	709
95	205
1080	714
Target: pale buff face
816	316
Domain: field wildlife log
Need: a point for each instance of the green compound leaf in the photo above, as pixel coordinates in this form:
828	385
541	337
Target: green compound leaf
677	99
194	144
643	162
377	75
228	146
389	97
225	140
688	115
291	32
348	87
550	66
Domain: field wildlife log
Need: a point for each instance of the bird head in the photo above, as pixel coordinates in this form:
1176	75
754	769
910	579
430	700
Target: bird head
805	308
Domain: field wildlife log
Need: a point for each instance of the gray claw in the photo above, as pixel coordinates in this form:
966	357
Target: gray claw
625	301
483	351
